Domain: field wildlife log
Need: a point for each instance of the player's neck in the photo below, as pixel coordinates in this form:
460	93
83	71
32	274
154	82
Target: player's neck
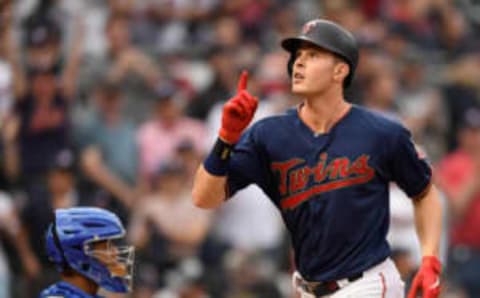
322	112
82	283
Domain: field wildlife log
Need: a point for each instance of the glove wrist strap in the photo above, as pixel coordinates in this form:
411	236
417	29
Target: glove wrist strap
216	162
433	262
230	137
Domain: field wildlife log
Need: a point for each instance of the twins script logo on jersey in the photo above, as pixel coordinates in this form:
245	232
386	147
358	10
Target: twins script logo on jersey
295	177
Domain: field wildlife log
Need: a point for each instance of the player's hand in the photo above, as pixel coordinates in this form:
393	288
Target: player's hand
427	279
238	112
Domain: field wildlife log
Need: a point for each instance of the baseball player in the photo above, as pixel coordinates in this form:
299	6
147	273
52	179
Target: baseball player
82	242
327	165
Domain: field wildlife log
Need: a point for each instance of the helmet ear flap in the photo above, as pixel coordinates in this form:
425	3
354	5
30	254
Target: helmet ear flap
54	249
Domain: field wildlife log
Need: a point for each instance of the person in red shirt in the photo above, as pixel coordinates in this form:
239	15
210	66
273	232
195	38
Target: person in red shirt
459	176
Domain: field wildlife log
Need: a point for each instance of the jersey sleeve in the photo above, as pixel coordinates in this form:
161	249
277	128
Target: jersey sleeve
409	169
247	164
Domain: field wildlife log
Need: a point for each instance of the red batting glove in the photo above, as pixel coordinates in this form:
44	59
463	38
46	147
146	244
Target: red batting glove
427	278
238	112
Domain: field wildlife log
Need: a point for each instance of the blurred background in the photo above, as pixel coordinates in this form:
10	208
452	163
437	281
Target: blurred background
115	103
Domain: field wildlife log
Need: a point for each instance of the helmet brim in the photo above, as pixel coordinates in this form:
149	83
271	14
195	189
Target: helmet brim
293	43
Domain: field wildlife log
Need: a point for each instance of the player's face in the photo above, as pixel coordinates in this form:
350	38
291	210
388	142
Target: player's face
316	70
116	255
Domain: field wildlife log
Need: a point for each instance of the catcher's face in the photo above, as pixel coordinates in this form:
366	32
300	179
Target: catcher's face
316	70
116	256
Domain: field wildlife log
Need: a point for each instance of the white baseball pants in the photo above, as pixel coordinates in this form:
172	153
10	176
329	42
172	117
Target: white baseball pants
380	281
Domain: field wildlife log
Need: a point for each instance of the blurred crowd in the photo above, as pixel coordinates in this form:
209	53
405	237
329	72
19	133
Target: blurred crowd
114	103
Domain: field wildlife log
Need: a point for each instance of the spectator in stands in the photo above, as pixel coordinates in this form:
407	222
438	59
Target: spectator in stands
166	227
222	83
456	37
43	90
43	43
381	89
44	125
460	93
420	106
189	157
109	153
125	65
60	192
458	174
11	237
168	127
6	72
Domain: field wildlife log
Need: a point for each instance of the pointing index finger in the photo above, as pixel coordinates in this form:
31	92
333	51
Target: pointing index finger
242	82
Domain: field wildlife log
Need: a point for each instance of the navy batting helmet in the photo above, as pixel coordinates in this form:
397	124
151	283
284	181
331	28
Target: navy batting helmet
327	35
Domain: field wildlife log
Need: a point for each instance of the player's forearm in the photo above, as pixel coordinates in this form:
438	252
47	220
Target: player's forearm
208	190
428	222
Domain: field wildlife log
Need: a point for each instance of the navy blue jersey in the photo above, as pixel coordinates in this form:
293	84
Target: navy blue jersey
332	189
64	289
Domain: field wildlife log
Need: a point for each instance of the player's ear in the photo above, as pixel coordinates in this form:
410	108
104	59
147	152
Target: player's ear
340	70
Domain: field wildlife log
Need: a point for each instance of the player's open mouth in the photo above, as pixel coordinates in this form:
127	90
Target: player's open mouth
298	76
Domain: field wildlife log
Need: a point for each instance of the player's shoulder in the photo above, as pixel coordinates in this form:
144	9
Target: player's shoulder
62	290
377	122
276	121
264	130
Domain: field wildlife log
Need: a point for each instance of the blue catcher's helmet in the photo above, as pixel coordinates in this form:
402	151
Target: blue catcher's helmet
83	239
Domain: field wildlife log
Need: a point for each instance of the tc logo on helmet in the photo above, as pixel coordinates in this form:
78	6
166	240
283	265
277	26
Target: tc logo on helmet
309	26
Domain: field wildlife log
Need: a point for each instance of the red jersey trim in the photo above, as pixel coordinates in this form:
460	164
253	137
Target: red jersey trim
384	285
294	200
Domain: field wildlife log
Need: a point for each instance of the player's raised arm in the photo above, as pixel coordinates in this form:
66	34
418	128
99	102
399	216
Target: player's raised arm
210	180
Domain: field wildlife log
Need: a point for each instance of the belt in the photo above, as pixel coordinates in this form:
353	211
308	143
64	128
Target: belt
319	288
